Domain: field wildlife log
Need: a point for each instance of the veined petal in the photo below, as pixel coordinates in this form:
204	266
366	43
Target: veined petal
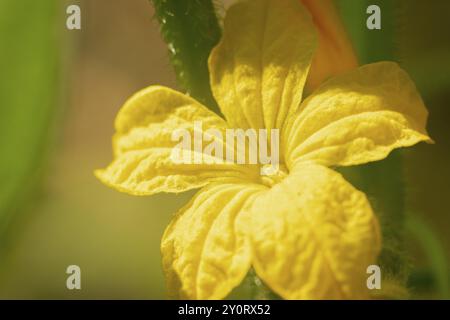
143	146
259	68
314	235
205	249
334	54
357	118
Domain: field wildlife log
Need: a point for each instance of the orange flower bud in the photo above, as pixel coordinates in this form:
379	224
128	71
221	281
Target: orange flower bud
335	53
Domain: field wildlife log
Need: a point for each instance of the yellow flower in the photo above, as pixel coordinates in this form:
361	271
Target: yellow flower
307	232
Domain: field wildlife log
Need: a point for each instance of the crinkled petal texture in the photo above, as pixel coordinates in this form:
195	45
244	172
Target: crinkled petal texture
205	250
259	68
357	118
143	146
313	236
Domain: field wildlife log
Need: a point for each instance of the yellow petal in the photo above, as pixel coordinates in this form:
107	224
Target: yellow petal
143	145
205	251
357	118
313	236
334	54
259	68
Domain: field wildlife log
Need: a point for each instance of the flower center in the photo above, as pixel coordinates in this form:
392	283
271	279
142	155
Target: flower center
273	178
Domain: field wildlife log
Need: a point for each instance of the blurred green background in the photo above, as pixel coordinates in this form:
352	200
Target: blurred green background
59	93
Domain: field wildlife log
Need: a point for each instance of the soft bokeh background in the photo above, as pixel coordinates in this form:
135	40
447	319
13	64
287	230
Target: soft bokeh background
71	218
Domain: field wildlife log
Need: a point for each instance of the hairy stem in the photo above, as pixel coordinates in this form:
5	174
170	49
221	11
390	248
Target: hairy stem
191	30
382	181
435	252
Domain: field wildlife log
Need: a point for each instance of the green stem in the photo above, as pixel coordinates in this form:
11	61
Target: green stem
433	250
191	30
382	181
